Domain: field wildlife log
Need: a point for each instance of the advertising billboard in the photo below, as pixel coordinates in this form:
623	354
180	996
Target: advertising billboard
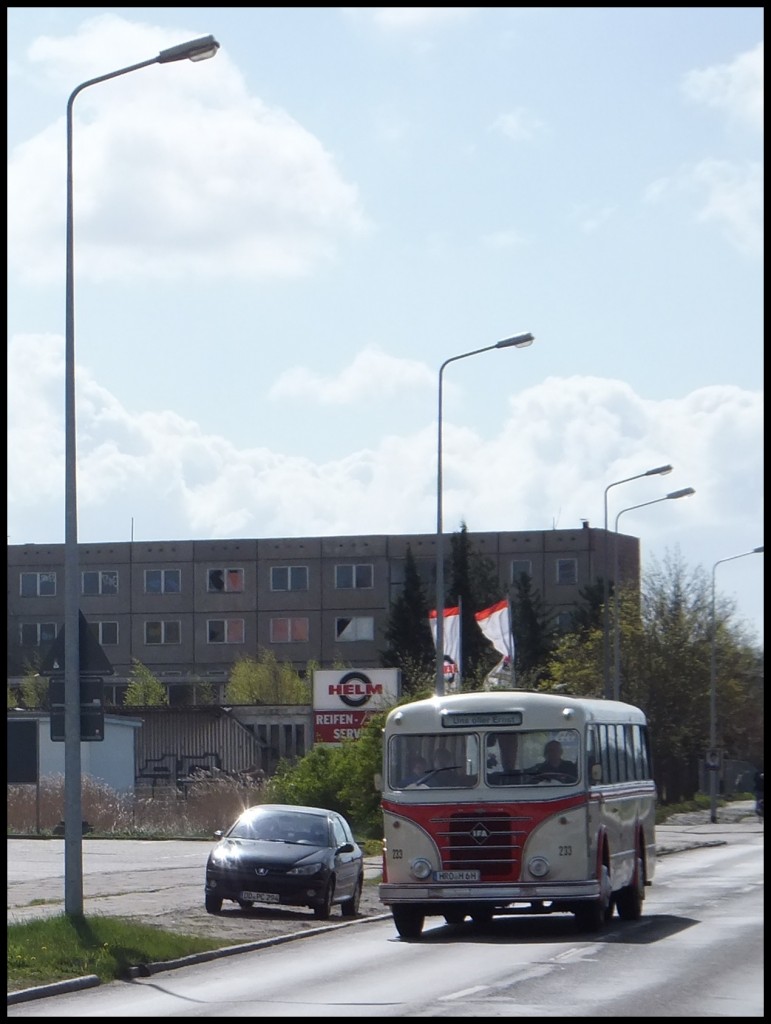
343	700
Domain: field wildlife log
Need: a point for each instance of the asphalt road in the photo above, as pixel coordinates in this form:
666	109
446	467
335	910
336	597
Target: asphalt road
161	882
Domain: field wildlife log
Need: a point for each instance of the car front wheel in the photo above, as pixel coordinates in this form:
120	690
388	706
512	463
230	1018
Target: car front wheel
351	907
213	903
323	908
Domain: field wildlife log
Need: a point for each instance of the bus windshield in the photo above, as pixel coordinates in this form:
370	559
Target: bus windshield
498	758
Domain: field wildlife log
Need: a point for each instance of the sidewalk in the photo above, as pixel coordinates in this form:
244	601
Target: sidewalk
692	829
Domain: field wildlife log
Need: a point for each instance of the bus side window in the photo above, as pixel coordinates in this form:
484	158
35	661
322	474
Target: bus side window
593	766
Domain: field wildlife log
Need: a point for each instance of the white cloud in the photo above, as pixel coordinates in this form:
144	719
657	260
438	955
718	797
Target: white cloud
520	125
727	194
736	88
182	174
560	445
407	18
591	219
370	369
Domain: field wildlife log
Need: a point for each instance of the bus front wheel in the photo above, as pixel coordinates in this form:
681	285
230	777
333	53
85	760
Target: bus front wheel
408	921
592	915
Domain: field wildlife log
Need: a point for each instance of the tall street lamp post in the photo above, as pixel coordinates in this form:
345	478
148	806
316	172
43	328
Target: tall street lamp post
195	50
606	687
713	769
684	492
518	341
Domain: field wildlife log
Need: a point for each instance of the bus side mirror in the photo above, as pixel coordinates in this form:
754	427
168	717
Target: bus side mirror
378	780
596	773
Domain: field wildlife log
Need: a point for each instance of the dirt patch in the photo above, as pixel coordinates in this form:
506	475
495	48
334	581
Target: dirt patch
234	926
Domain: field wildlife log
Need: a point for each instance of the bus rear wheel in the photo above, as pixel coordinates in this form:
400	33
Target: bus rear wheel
629	900
408	921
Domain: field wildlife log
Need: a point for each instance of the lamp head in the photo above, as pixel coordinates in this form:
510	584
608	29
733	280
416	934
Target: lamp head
518	341
659	471
684	492
196	49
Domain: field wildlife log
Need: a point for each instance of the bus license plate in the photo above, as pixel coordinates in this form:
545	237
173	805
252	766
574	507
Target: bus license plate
457	876
260	897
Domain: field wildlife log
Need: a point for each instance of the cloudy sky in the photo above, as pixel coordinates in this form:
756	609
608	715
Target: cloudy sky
276	250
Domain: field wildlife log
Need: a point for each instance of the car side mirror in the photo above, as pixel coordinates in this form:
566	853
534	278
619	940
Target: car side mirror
219	834
345	848
378	780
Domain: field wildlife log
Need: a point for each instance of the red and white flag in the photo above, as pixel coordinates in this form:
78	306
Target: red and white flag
451	641
495	623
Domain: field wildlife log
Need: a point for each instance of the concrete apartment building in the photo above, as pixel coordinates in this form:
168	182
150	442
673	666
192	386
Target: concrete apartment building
189	610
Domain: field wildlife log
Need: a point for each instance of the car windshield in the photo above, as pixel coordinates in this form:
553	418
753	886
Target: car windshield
282	827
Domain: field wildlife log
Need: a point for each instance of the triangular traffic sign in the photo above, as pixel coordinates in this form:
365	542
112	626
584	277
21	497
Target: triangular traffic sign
92	656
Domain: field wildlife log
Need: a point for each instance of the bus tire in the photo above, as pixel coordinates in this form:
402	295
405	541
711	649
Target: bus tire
408	921
455	917
629	900
482	918
594	914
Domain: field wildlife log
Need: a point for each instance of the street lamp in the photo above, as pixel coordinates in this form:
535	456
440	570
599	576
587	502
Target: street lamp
518	341
684	492
195	50
713	770
657	471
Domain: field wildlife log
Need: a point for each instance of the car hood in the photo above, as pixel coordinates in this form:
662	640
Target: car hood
261	851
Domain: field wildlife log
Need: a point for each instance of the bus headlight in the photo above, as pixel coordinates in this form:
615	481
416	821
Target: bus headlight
420	868
538	867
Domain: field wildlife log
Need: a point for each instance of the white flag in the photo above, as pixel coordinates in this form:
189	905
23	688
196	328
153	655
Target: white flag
495	623
451	642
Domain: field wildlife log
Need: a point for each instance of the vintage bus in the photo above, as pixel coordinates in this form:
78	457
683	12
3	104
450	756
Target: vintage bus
516	802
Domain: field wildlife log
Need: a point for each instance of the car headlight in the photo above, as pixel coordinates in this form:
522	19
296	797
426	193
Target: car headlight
225	855
420	868
538	867
305	870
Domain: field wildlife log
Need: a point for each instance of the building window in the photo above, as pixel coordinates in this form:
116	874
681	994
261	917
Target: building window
565	622
289	630
521	567
567	571
99	581
353	577
289	577
163	632
225	581
163	581
360	627
37	584
225	631
37	634
108	633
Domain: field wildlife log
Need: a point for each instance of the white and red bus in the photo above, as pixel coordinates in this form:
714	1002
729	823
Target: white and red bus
516	802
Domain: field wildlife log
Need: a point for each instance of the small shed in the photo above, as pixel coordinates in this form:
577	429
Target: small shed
33	755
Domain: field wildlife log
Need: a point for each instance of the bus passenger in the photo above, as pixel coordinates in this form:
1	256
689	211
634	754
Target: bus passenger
503	773
417	771
445	771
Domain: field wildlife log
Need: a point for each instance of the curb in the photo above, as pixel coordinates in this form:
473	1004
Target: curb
147	970
56	988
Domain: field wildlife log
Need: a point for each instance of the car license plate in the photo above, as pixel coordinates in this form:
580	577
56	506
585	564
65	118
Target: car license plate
261	897
457	876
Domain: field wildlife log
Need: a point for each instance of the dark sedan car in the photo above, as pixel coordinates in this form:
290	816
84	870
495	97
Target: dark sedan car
282	854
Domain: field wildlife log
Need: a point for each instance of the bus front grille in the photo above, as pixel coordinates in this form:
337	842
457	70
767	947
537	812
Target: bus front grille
491	842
